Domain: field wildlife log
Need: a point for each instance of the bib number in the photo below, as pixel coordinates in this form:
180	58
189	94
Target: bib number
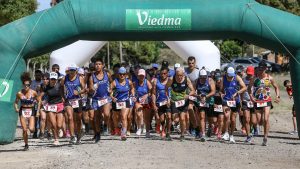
231	103
26	113
192	98
162	103
250	104
201	104
218	108
264	104
102	102
179	103
74	103
120	105
52	108
142	101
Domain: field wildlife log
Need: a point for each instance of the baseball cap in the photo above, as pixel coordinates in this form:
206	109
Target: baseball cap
73	66
53	75
230	71
155	65
250	70
177	65
165	63
203	72
142	72
122	70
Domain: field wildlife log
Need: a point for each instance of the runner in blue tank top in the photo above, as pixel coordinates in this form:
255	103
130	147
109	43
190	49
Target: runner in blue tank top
121	89
99	84
233	86
74	86
142	107
205	88
160	102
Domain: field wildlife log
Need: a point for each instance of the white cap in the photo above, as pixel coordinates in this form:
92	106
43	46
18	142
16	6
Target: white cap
230	71
142	72
203	72
177	65
53	75
73	66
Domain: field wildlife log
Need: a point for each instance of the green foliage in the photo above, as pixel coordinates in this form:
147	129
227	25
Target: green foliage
230	49
292	6
11	10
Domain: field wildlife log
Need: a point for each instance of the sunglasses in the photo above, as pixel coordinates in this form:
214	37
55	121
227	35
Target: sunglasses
26	85
72	70
122	74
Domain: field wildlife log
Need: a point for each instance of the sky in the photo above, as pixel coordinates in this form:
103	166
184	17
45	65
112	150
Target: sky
43	4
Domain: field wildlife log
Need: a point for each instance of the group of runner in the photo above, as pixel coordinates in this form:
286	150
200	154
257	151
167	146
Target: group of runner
194	101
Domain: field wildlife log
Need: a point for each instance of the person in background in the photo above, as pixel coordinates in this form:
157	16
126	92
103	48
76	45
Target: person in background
288	87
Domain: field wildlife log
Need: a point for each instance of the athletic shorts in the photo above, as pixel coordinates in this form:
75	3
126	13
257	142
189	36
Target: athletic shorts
163	109
233	109
269	104
30	110
77	108
211	113
246	107
181	109
114	105
56	108
97	105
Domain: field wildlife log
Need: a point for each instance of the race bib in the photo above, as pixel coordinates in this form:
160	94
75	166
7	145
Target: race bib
52	108
26	113
218	108
102	102
120	105
74	103
192	98
142	101
250	104
203	104
162	103
262	104
179	103
231	103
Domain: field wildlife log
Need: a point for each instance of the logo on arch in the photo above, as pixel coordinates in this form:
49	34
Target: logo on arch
5	90
158	19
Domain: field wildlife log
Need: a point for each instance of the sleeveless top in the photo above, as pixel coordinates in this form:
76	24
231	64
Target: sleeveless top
178	90
160	91
27	101
204	89
70	86
141	90
101	86
53	94
122	92
262	91
230	88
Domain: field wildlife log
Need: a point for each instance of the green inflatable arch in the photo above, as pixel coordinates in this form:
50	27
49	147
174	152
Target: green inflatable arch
160	20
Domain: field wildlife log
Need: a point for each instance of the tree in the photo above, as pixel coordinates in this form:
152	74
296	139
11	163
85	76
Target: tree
11	10
230	49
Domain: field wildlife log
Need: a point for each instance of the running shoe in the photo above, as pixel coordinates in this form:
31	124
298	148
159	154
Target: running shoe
264	143
139	132
73	140
79	136
56	143
216	130
209	132
243	131
219	136
49	135
231	139
97	137
157	128
255	132
42	136
26	148
117	132
203	138
293	132
35	135
112	132
225	136
60	133
144	131
147	134
168	137
105	132
181	138
163	134
248	139
123	137
128	133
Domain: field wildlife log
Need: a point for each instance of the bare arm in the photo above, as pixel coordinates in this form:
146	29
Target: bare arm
82	85
212	88
16	106
154	92
276	89
132	91
243	87
190	85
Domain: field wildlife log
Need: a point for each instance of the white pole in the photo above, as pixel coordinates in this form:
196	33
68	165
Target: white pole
108	62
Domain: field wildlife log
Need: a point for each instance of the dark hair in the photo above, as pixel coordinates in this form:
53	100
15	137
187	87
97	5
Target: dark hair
38	71
46	75
117	65
164	68
55	65
25	77
190	58
98	60
285	83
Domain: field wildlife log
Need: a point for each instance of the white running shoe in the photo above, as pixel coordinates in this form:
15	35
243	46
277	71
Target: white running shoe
56	143
231	139
144	131
293	132
60	133
225	136
139	132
